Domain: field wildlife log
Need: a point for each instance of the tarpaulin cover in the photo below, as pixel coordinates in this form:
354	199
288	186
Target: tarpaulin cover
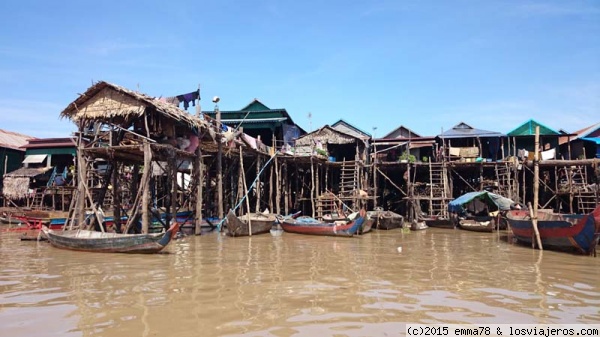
458	205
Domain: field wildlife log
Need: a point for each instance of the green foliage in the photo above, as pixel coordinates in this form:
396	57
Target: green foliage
408	157
321	152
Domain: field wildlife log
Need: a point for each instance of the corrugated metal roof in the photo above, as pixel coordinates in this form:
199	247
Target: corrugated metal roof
528	129
13	140
250	121
463	130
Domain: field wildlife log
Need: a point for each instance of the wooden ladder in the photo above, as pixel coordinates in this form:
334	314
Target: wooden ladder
38	199
348	178
438	189
326	205
505	180
70	221
587	201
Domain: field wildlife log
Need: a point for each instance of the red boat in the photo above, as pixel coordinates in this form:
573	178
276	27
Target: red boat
559	231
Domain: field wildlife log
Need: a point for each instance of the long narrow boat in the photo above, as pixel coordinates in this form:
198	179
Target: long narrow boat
386	219
437	221
92	241
240	226
312	226
478	224
558	231
367	224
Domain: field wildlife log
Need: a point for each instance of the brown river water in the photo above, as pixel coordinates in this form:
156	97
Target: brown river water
293	285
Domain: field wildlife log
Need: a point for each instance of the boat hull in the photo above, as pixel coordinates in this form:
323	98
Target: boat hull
486	224
259	224
386	219
438	222
311	226
557	231
92	241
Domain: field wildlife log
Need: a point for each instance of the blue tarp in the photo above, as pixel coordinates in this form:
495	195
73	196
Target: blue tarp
458	205
594	140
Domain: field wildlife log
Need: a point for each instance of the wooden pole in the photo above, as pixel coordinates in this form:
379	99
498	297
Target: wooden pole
81	181
257	186
286	186
173	211
219	167
374	167
271	183
246	192
536	188
198	167
312	185
146	187
277	187
116	197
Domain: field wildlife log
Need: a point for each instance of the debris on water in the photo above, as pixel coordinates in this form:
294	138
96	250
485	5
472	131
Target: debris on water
399	249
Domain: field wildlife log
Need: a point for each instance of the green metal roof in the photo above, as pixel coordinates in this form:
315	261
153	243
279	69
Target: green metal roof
528	129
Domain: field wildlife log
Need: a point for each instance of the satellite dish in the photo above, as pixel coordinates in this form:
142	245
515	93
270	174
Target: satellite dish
216	99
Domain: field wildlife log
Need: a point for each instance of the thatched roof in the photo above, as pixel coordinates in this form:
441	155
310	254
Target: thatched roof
27	172
15	187
104	101
327	135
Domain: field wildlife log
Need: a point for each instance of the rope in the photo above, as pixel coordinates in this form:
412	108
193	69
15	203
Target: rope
249	189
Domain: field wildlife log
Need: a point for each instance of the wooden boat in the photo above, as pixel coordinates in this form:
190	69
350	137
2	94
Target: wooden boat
92	241
365	228
437	221
386	219
312	226
367	224
240	226
478	211
578	232
7	219
418	226
478	224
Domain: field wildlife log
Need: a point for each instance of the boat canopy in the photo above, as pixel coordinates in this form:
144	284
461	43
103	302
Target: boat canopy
459	204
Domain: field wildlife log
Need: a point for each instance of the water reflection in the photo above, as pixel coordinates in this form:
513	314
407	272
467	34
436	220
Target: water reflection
297	285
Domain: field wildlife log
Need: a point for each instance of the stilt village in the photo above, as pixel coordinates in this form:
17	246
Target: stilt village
138	164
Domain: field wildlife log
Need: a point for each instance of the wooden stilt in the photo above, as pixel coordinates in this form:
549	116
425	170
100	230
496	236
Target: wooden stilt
198	167
116	197
257	188
245	192
271	183
219	169
145	187
173	205
277	187
536	188
81	181
286	186
312	185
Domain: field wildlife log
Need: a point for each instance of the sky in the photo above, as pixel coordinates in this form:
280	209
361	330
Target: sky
378	64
